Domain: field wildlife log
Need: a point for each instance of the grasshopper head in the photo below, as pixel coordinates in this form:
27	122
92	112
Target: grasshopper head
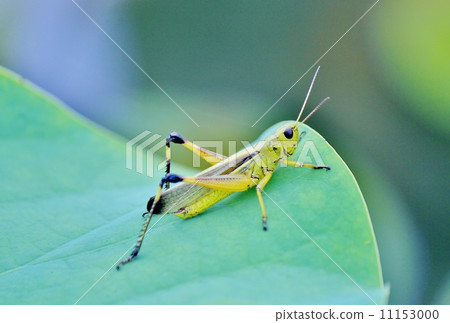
288	136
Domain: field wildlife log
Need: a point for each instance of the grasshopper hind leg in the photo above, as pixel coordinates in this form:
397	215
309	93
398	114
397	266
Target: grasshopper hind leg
168	178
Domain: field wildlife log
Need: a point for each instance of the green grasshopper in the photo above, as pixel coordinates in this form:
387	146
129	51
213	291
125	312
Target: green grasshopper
252	166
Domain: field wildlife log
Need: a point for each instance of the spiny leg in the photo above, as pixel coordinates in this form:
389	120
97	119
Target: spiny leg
168	158
168	178
176	138
259	188
298	164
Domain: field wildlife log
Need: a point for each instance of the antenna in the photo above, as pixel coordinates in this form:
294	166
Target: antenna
314	111
307	95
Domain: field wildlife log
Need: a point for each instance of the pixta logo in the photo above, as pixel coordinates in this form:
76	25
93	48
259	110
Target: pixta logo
148	146
141	149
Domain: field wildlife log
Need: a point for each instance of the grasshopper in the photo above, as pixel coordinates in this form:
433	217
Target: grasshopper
252	166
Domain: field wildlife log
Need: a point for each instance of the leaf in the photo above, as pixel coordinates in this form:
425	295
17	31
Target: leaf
70	210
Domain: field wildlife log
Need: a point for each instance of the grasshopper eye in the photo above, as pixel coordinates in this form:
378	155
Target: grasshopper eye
288	133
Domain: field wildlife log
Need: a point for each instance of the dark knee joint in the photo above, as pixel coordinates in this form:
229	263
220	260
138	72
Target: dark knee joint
322	167
171	178
176	138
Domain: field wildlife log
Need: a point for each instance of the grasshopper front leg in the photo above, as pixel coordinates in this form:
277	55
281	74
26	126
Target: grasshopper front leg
298	164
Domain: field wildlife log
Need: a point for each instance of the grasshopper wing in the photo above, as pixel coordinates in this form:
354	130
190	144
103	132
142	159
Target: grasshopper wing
178	197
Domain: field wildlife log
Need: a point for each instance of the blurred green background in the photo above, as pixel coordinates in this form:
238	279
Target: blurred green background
226	62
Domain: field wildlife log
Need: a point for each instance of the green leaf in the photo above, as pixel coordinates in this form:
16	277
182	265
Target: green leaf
70	210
